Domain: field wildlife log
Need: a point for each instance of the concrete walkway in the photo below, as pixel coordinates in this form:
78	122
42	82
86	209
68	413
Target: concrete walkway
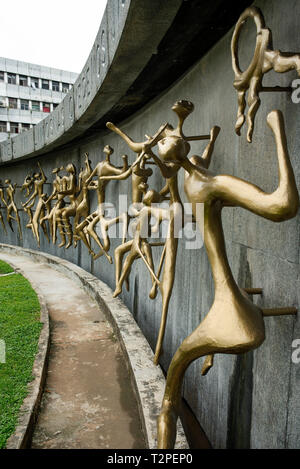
88	400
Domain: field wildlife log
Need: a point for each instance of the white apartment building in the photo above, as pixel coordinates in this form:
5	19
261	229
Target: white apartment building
28	92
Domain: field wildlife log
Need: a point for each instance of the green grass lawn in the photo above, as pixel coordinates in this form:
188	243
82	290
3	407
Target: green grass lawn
20	329
5	268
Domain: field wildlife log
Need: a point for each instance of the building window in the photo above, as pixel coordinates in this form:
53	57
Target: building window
55	105
1	76
14	127
46	107
25	127
3	126
24	104
34	82
11	78
45	84
35	106
13	103
65	87
55	86
23	80
2	101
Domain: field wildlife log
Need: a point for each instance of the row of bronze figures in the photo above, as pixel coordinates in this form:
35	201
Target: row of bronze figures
234	323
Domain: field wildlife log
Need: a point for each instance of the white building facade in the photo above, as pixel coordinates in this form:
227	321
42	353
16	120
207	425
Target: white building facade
28	92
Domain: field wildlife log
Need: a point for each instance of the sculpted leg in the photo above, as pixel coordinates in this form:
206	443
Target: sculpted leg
61	232
166	290
35	226
2	223
148	254
91	232
193	347
241	109
119	254
68	231
125	271
153	291
43	224
254	103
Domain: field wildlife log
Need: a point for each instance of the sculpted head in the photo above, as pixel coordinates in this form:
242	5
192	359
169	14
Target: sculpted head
70	168
183	108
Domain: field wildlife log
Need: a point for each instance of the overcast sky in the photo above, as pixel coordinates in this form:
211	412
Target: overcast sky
54	33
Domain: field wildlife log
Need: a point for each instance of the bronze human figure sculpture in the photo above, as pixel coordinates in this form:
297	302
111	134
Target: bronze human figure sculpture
53	215
233	324
167	264
27	185
139	246
82	200
68	188
11	206
264	60
28	188
4	202
37	219
87	227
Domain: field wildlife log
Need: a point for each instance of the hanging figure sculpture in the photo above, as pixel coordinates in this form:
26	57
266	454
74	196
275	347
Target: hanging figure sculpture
264	59
11	206
82	200
4	202
68	188
51	216
139	176
139	246
28	187
39	180
167	262
86	229
234	324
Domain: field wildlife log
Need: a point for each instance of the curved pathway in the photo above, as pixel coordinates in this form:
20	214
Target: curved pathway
88	400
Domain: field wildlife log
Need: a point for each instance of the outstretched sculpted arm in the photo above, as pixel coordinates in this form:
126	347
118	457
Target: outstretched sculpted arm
118	177
92	174
134	146
2	197
125	174
205	159
33	195
137	147
283	203
44	179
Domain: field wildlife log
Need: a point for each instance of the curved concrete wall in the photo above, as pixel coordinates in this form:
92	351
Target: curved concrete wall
247	401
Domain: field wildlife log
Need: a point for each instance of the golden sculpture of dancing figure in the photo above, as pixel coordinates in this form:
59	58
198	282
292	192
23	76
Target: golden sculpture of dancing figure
28	187
68	188
86	228
4	201
139	247
82	199
167	263
264	59
51	216
39	180
11	206
233	324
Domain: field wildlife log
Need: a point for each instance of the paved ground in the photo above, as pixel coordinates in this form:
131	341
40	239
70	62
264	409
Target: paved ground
88	400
